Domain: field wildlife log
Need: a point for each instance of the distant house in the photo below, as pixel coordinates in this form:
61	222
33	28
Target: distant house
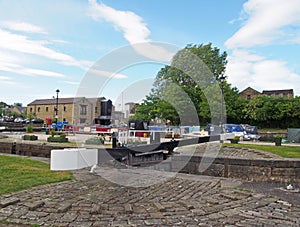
288	93
20	110
130	108
118	117
250	93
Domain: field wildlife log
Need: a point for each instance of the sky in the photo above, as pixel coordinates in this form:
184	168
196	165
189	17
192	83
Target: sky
49	45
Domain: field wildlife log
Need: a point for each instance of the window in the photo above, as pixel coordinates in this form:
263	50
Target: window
82	120
30	109
65	108
96	109
64	119
39	109
248	97
47	109
83	109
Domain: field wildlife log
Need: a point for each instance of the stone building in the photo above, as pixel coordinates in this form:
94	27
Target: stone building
250	93
288	93
78	111
130	108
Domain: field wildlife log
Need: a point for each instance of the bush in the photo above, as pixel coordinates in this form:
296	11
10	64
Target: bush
57	139
95	140
235	140
52	133
29	128
29	137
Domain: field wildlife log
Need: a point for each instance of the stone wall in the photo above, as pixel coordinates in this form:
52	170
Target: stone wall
281	170
27	149
269	136
284	171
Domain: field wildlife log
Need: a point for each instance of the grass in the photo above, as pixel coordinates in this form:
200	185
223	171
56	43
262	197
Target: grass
283	151
19	173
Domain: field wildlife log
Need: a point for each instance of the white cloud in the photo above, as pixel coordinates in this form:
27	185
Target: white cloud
5	80
71	82
265	23
245	69
132	25
21	43
15	68
12	63
23	27
108	74
134	30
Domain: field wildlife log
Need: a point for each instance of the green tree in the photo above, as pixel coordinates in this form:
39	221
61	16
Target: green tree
273	112
182	88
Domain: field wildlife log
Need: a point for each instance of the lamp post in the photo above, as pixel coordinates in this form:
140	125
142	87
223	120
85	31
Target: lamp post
222	79
56	108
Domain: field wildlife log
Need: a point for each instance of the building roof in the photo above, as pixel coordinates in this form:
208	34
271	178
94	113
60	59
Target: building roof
250	89
280	91
21	109
61	100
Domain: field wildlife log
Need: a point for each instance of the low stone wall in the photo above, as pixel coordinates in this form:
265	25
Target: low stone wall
26	149
269	136
7	147
283	170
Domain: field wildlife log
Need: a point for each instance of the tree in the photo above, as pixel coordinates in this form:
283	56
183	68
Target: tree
18	104
180	90
273	112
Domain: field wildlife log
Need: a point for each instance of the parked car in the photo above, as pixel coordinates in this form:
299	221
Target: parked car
9	119
19	120
25	121
37	121
244	131
250	132
213	129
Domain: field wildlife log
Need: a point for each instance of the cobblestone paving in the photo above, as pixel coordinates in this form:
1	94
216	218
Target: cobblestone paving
236	152
183	200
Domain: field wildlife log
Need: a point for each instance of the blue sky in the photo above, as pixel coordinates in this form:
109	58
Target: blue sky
45	45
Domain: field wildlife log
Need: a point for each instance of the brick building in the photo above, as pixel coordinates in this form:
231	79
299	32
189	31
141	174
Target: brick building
79	110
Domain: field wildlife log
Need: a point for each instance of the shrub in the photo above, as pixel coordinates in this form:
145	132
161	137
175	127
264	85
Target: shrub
29	137
279	136
29	128
52	133
57	139
95	140
236	139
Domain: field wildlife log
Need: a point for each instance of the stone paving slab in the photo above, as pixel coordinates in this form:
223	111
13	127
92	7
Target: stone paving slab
178	200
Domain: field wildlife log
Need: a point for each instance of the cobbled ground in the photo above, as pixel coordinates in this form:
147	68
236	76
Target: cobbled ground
178	200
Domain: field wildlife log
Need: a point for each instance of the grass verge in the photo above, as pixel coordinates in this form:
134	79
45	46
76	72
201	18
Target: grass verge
19	173
282	151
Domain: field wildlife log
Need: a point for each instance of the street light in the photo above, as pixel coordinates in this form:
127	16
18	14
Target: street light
56	108
222	79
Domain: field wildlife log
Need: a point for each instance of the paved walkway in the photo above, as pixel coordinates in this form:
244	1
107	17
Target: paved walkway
181	200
